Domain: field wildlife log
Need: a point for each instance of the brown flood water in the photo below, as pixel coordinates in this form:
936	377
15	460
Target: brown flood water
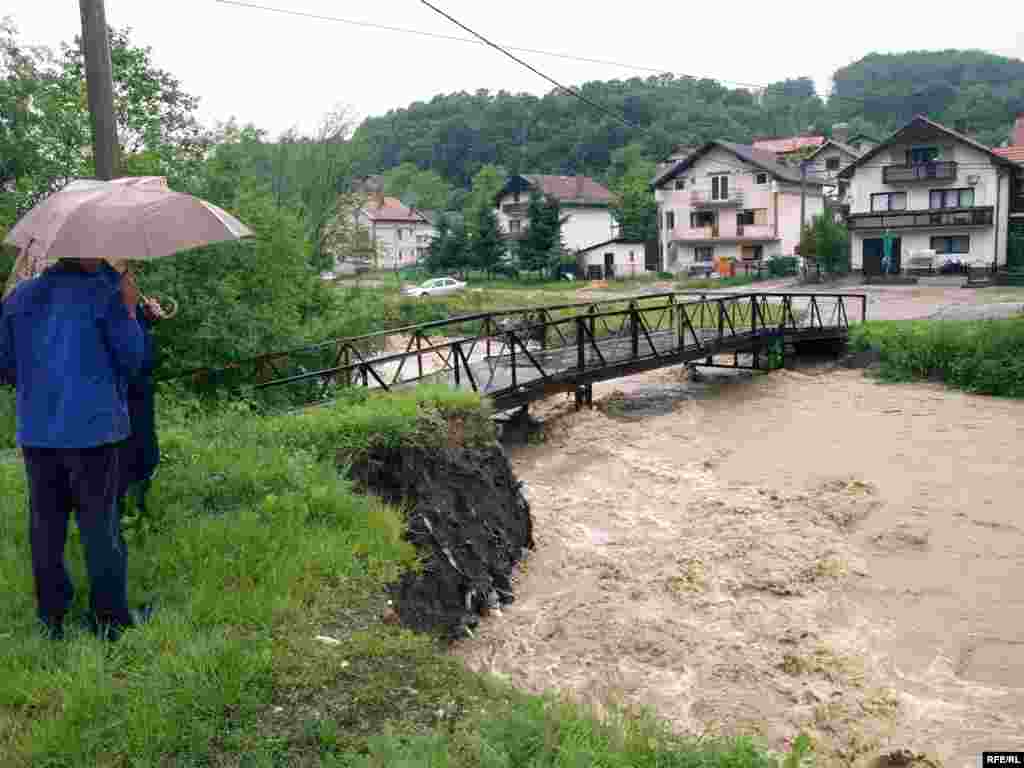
798	551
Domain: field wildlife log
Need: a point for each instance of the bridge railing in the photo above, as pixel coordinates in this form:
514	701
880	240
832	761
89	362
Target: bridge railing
549	347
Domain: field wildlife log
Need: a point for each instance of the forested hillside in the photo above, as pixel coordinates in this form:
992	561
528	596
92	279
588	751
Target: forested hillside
456	134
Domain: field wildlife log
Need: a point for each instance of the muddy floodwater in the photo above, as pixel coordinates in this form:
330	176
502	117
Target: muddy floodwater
802	551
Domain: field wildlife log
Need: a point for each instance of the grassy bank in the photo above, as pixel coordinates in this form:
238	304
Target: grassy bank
984	356
255	547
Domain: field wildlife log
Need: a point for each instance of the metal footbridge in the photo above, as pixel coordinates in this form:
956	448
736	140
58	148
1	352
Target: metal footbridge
516	356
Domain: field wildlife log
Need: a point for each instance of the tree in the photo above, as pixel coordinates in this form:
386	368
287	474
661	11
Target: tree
344	238
487	183
486	242
634	206
325	169
449	251
425	190
541	248
826	242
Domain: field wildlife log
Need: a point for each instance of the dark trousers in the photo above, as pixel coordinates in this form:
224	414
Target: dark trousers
87	480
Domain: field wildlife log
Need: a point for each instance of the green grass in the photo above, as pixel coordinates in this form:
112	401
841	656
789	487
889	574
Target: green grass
985	357
256	544
7	414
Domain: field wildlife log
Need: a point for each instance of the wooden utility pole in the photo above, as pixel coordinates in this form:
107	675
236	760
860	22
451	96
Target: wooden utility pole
100	82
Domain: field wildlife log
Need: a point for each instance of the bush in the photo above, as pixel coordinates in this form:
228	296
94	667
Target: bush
985	356
782	266
7	418
238	300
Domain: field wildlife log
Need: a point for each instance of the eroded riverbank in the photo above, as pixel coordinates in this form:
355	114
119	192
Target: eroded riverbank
804	551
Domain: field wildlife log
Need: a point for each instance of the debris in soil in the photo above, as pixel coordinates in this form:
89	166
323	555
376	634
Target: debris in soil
470	522
902	537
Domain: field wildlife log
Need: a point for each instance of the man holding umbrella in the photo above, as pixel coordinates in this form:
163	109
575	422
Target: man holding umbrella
69	337
70	343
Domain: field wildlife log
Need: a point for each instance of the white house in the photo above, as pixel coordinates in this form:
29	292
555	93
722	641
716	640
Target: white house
585	205
728	203
940	196
827	161
619	257
402	234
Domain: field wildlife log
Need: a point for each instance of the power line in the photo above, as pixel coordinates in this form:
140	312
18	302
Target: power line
567	89
453	38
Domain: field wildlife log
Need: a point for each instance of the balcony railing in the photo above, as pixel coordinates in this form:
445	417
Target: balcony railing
979	216
702	198
754	231
708	232
515	209
944	170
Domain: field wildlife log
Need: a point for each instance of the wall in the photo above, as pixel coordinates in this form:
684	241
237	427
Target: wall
585	225
392	250
789	215
992	188
629	259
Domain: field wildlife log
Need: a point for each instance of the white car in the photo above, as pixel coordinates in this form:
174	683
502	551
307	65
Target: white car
439	286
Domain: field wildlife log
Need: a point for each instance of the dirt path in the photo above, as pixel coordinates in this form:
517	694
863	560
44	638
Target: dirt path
799	551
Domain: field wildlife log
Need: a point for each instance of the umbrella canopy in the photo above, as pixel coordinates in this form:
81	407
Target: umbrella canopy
136	218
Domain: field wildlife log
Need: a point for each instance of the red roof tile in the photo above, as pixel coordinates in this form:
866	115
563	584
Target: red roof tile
1014	153
391	209
571	188
790	144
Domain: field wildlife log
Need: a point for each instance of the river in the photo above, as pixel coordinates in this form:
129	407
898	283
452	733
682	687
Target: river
808	550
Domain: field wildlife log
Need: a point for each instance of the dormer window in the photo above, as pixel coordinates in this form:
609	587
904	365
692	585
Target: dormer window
761	178
681	183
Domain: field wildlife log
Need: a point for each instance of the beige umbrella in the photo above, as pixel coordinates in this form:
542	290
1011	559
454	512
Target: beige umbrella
130	219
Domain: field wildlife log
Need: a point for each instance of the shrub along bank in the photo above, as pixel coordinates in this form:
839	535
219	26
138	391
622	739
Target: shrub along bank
982	356
256	546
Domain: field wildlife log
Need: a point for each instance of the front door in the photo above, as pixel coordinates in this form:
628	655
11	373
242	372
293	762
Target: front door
874	250
609	265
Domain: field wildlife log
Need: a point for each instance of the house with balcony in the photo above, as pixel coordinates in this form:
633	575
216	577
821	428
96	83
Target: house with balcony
585	205
940	196
727	203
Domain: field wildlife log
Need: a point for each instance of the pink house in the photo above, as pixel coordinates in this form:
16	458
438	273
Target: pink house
729	203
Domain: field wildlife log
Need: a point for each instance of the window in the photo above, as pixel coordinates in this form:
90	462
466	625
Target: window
670	220
745	218
960	244
720	187
951	198
401	232
631	256
700	219
513	225
832	164
889	201
919	155
761	178
681	183
515	197
704	254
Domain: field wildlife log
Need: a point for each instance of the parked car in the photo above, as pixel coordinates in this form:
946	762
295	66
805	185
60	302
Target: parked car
439	286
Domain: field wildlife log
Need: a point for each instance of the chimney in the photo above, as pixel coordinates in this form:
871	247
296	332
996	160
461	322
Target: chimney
841	132
1017	139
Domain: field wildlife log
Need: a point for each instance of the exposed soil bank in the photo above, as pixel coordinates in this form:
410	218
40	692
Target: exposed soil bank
468	519
806	550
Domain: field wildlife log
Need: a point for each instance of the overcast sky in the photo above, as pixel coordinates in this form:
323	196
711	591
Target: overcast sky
280	71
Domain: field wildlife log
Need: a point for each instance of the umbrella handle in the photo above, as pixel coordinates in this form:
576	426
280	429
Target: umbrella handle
168	306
